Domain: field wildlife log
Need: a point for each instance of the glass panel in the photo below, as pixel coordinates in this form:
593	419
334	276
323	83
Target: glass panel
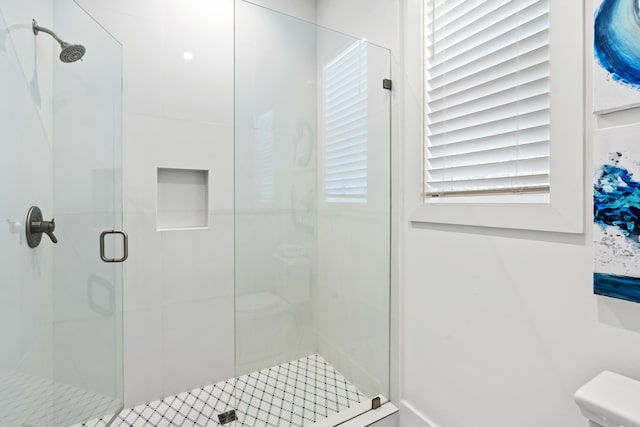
312	233
87	197
25	275
60	306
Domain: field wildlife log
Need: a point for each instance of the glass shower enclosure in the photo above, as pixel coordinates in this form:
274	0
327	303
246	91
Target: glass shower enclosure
60	150
312	221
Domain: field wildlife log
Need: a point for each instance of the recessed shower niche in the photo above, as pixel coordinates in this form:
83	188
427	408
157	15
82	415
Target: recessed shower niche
183	200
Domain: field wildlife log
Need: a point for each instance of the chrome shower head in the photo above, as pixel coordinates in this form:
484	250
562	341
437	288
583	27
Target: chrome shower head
70	52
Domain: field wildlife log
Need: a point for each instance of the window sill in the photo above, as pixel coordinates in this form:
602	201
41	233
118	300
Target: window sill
552	218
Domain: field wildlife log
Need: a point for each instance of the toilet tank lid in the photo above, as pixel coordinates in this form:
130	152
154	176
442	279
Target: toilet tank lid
610	399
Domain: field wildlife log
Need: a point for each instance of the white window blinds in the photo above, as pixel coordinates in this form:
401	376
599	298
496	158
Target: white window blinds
346	125
487	100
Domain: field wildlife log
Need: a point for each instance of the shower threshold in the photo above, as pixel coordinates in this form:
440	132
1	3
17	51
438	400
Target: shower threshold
302	392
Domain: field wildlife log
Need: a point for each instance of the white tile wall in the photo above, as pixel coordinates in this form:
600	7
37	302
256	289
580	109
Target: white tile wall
143	362
197	343
302	9
35	58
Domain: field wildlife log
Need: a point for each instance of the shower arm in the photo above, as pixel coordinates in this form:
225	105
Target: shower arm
37	28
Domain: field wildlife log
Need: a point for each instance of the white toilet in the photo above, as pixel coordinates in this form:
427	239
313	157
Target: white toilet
610	400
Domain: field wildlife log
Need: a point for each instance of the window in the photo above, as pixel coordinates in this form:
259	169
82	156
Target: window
503	119
487	101
346	126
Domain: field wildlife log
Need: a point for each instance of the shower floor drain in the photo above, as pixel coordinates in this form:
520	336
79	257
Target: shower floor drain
227	417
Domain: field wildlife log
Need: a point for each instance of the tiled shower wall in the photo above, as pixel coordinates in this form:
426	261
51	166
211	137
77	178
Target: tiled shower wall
178	285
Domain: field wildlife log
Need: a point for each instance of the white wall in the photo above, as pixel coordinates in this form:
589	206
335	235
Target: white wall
377	21
34	55
500	327
301	9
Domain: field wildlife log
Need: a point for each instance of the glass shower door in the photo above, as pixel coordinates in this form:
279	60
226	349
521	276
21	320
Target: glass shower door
60	150
312	221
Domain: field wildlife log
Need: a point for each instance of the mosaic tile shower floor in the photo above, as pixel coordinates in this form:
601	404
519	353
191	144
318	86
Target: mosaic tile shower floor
296	393
27	400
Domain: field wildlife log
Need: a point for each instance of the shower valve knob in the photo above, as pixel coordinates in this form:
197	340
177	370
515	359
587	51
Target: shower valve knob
46	227
36	226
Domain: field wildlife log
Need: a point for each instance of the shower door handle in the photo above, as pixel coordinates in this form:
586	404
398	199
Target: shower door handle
125	248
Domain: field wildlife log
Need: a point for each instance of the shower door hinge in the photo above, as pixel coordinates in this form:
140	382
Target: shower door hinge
375	402
386	84
227	417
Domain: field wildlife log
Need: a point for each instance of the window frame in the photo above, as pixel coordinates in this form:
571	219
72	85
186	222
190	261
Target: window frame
564	213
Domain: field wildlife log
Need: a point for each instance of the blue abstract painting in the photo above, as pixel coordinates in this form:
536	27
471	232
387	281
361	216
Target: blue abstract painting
616	212
617	55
